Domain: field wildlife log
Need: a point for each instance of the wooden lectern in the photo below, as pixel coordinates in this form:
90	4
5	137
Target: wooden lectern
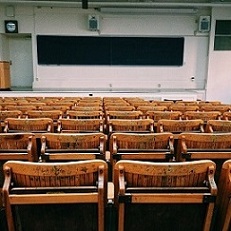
4	75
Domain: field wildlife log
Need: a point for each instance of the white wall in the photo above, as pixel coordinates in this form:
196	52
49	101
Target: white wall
73	21
219	70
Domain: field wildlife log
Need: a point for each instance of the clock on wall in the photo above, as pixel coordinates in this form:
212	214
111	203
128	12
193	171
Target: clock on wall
11	26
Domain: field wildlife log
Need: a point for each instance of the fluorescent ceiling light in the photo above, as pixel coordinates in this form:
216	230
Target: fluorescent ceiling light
149	10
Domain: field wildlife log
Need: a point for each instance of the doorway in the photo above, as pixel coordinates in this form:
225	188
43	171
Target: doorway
21	68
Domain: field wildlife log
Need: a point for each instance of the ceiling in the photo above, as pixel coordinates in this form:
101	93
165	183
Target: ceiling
120	3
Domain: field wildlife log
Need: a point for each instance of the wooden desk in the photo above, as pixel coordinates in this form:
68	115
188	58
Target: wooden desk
4	75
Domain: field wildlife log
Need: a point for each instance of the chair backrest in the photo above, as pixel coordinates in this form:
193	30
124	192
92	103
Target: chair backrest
123	115
82	182
87	108
62	108
120	108
39	125
16	146
144	109
204	115
192	146
132	125
218	126
80	125
70	146
223	202
9	114
53	114
158	115
164	183
84	114
22	108
226	115
220	108
202	146
134	146
183	108
179	126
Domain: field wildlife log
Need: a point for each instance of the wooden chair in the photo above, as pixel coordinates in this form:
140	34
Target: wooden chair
183	108
38	126
120	108
80	125
9	114
165	196
133	146
204	103
66	146
86	108
223	203
69	191
226	115
187	103
62	108
220	108
158	115
123	115
204	115
199	146
118	104
17	146
132	125
35	104
218	126
55	115
61	103
179	126
89	104
164	103
22	108
144	109
84	114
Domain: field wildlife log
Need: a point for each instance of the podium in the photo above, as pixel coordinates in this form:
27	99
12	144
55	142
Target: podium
4	75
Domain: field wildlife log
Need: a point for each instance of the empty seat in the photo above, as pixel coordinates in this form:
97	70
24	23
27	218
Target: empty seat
120	108
38	126
123	115
198	146
84	114
132	125
9	114
220	108
65	146
204	115
183	108
158	115
55	115
80	125
165	196
16	146
133	146
55	196
218	126
144	109
179	126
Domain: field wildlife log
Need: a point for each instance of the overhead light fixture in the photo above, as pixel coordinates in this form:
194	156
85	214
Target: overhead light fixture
148	10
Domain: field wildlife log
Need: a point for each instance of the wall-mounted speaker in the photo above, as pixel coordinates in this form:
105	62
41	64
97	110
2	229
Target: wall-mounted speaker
204	24
93	22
